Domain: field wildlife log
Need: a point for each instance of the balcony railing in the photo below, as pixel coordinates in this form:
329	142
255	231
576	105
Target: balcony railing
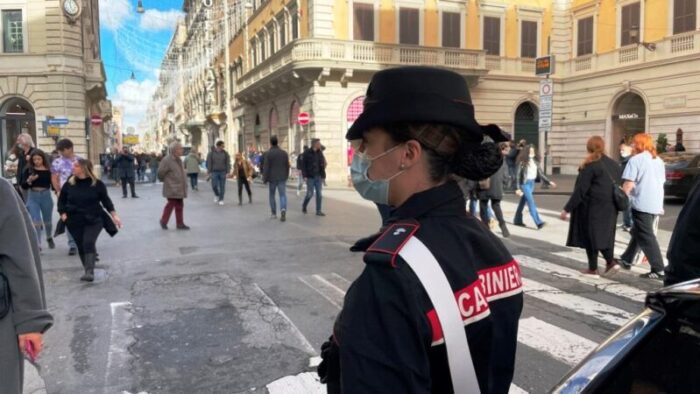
364	54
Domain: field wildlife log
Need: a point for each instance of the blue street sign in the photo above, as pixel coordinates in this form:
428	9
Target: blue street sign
57	121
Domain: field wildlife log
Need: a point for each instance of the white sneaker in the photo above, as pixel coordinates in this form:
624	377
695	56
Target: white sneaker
221	202
216	199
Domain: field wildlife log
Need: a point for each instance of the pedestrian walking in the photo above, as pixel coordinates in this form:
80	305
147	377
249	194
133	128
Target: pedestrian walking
172	173
218	167
243	172
25	147
684	248
625	154
192	163
528	171
511	159
154	163
300	169
592	209
23	315
644	179
393	334
11	169
314	170
142	164
82	204
492	192
61	170
276	173
127	165
39	202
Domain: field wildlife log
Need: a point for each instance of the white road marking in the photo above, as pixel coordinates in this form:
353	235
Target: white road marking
578	304
607	285
516	390
119	342
558	343
304	383
327	290
295	330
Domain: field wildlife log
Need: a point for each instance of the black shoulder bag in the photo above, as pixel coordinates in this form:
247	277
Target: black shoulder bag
620	198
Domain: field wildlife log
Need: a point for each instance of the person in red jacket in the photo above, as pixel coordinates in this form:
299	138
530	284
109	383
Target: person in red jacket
418	132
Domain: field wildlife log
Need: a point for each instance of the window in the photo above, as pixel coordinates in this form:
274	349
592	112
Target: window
528	39
283	30
684	15
630	21
363	28
263	50
409	27
271	31
12	33
585	36
451	29
295	25
492	35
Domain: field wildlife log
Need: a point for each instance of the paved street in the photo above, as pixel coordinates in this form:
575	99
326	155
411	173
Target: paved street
242	302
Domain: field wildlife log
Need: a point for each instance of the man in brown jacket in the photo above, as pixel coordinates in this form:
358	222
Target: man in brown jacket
172	173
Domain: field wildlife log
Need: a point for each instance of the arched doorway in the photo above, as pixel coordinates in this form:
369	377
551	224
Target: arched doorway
16	117
628	117
527	124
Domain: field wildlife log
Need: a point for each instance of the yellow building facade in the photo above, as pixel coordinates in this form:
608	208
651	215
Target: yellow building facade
622	66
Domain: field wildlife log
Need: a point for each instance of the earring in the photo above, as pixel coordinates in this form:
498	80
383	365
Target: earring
402	166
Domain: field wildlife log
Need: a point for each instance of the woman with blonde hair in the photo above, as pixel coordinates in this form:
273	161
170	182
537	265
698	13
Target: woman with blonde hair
243	172
81	204
592	208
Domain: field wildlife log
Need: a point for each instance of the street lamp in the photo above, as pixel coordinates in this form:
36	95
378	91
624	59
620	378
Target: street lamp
634	37
139	7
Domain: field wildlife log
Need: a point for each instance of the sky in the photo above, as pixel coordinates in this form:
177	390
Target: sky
135	43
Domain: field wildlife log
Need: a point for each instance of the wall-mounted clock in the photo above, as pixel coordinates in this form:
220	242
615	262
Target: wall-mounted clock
72	9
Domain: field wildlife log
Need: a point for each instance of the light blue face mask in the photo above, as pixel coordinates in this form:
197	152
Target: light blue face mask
372	190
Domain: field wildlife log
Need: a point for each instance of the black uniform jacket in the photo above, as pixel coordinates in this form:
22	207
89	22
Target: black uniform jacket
388	336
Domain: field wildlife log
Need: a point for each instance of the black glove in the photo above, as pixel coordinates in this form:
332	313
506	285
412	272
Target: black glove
329	369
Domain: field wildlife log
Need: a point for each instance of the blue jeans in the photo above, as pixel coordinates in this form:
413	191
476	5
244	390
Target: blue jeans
218	183
193	180
280	186
311	184
527	197
40	207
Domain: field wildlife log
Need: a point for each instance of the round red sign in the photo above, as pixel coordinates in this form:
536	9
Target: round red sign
96	120
304	118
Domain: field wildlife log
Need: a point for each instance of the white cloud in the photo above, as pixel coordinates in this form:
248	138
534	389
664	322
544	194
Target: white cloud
156	20
113	13
134	97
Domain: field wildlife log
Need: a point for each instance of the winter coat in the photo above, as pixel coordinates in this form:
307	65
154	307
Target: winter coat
592	208
276	165
172	173
495	191
314	164
247	168
192	164
20	263
126	166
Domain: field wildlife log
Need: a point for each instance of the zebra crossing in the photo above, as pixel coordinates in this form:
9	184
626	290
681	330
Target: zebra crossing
566	315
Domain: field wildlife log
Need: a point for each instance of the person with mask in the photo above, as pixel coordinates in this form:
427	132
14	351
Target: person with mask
398	331
61	170
528	171
625	154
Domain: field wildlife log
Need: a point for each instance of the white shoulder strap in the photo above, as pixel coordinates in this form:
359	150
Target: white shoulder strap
435	283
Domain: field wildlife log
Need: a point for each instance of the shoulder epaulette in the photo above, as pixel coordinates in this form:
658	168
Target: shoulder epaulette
393	239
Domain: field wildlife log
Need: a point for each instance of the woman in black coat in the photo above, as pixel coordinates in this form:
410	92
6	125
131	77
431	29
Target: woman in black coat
494	193
592	208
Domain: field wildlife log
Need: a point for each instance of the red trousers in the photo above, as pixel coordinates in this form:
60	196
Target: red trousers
177	204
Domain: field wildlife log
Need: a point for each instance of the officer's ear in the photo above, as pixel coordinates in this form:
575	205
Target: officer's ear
412	154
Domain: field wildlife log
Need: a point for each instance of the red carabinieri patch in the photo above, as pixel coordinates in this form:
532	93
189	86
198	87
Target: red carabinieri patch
493	284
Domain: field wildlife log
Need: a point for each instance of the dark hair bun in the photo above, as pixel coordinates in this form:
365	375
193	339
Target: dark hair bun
477	162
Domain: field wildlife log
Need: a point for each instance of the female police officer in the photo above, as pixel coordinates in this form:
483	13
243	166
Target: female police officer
416	133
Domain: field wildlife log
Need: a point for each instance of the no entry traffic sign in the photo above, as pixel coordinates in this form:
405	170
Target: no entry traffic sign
304	118
96	120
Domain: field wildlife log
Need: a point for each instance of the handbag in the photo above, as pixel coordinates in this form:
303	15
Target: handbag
620	198
5	304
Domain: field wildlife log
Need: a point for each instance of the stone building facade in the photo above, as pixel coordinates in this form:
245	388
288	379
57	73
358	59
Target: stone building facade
50	67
